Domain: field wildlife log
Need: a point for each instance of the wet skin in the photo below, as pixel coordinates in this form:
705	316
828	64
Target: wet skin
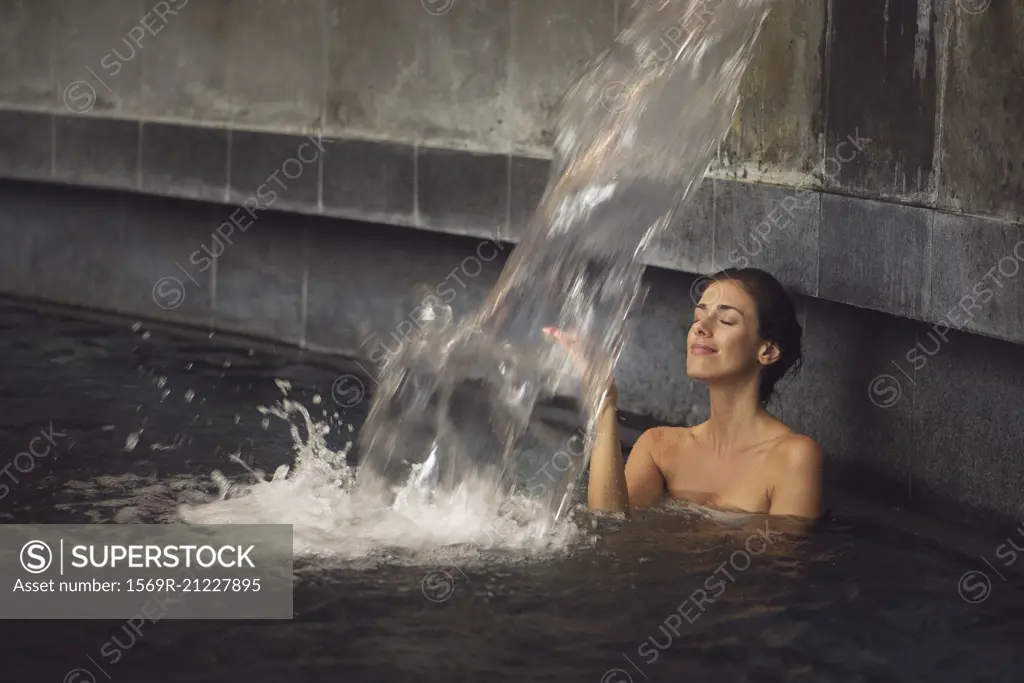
776	476
742	459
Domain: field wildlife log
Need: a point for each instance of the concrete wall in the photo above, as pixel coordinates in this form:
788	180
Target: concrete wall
912	75
896	116
873	166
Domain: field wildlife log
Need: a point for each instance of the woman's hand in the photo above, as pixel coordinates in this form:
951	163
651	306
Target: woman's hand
607	489
572	346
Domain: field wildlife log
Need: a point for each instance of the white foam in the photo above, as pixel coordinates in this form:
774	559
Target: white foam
336	521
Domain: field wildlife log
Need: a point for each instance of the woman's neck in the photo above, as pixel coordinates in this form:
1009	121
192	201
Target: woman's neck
735	413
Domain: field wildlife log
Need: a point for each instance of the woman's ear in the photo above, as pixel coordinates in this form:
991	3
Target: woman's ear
770	352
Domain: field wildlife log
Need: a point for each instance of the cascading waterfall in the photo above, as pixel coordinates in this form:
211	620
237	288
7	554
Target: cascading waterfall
492	402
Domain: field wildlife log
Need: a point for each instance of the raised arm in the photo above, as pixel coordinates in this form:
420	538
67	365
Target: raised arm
615	487
606	490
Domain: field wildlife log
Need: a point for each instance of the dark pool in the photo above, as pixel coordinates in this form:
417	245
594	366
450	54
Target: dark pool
668	596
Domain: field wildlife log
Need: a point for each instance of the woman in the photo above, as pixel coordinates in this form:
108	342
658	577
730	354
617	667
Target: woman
745	337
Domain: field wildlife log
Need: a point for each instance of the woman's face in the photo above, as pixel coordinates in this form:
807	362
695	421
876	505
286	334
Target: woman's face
723	340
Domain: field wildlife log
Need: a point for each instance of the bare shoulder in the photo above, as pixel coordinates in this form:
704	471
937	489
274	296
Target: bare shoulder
658	436
665	440
797	452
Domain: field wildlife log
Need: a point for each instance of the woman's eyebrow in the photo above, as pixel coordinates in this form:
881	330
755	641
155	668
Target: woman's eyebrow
721	307
727	307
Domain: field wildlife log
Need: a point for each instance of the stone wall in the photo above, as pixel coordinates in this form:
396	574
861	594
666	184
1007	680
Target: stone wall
935	84
289	169
892	121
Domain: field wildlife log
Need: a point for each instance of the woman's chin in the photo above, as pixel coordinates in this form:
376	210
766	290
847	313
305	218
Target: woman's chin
698	371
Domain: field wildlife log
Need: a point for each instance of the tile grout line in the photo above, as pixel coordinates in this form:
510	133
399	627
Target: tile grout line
214	275
320	175
306	244
929	267
227	176
817	245
416	185
138	156
53	146
507	231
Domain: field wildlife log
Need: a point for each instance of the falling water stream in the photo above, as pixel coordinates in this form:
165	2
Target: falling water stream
479	431
634	137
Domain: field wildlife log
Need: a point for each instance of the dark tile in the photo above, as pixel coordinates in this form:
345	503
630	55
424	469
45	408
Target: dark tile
25	144
855	395
283	88
261	279
97	52
686	244
463	192
363	283
883	89
25	44
551	43
978	267
96	151
968	421
778	126
768	227
279	171
874	255
186	62
76	244
186	161
529	179
982	136
370	179
23	206
167	271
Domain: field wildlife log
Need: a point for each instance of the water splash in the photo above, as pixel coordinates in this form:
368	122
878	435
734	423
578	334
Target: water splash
492	400
337	523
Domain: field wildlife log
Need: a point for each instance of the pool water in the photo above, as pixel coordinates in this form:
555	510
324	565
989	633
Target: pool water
140	419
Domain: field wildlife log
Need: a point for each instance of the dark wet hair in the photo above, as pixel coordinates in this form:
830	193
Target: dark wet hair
777	322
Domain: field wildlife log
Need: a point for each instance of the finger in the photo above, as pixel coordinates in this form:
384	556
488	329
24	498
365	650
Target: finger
566	337
566	340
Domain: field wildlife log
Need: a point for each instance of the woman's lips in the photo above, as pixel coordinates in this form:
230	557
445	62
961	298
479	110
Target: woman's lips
701	350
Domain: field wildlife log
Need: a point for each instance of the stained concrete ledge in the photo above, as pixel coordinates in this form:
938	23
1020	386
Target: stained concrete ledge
955	270
905	413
